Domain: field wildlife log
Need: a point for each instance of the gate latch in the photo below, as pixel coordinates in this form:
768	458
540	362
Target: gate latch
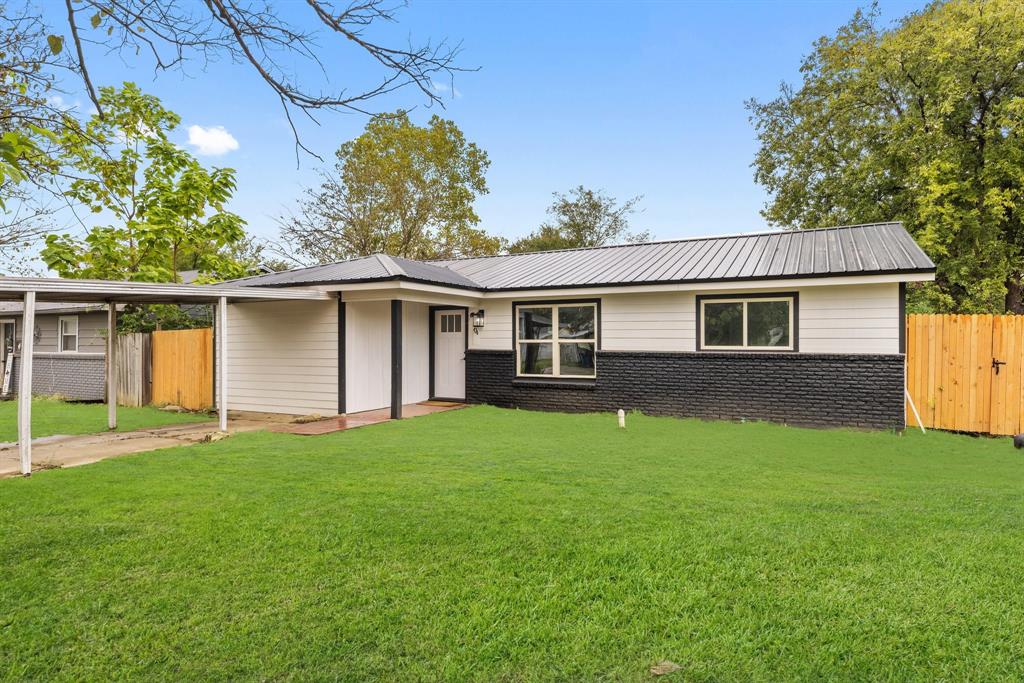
996	363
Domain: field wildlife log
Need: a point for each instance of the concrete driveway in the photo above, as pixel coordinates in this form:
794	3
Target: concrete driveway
69	451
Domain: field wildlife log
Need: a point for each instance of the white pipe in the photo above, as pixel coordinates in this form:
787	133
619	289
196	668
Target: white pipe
914	408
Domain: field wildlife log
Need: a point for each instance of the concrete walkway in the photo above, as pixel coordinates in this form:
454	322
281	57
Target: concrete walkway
68	451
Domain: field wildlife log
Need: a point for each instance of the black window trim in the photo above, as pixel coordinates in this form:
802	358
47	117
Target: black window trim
795	332
567	380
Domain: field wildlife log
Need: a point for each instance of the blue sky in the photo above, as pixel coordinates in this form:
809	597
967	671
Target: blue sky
635	99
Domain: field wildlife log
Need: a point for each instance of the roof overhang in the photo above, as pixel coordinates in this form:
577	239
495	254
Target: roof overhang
96	291
398	287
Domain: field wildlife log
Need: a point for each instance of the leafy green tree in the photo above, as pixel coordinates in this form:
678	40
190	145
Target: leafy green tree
583	218
167	211
922	123
400	189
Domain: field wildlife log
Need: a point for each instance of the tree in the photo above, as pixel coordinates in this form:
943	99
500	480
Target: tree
923	123
583	218
29	122
400	189
254	33
167	210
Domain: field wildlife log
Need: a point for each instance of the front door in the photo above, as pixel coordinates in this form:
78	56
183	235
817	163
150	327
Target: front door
7	342
450	354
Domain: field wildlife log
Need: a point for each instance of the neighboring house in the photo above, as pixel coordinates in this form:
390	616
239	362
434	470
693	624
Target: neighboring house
69	353
801	327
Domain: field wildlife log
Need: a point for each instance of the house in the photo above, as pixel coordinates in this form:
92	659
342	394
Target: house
803	327
69	349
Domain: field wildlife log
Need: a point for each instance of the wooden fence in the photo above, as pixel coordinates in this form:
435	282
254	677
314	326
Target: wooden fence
183	368
966	372
133	369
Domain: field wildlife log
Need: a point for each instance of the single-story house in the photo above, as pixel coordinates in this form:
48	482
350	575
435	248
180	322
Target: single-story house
70	343
802	327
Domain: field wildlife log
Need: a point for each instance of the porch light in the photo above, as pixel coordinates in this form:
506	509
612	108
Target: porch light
478	320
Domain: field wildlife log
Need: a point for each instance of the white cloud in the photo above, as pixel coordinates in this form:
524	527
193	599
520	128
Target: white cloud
443	89
212	141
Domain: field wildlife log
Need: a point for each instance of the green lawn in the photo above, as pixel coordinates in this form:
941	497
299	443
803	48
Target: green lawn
56	417
487	544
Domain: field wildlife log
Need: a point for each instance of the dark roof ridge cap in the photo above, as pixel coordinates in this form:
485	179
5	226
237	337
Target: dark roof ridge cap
674	240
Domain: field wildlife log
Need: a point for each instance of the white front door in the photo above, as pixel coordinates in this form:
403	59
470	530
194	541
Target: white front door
450	354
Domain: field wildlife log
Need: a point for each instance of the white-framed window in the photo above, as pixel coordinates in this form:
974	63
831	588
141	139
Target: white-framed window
763	323
556	340
67	334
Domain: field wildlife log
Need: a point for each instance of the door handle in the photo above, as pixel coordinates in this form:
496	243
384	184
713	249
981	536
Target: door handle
996	363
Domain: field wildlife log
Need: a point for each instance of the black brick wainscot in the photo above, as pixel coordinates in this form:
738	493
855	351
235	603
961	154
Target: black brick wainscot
821	390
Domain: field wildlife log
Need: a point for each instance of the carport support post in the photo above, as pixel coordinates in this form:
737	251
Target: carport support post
25	383
396	359
112	365
222	362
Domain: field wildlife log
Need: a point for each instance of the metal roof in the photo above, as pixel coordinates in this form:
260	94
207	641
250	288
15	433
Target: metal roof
95	291
373	268
878	248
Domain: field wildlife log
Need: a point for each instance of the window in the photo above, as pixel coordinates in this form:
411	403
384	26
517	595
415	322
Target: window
761	323
451	322
67	334
556	340
7	337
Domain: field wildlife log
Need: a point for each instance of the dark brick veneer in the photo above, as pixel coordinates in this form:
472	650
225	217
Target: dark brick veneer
825	390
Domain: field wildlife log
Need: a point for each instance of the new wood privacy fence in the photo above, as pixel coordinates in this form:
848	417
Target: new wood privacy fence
163	368
183	368
966	372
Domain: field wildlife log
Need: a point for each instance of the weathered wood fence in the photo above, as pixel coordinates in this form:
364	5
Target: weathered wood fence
966	372
134	362
167	367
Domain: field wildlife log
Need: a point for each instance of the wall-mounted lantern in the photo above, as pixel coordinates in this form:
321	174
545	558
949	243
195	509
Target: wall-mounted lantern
478	321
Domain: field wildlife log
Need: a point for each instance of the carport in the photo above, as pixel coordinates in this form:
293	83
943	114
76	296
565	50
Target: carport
113	293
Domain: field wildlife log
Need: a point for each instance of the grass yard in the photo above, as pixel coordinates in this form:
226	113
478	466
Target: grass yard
487	544
51	417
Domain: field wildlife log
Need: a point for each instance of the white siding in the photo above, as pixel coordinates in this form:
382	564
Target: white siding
648	322
497	331
850	319
415	352
367	355
283	357
832	319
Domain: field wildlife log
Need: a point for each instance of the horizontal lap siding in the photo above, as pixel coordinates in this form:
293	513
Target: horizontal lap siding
648	322
283	357
850	319
832	319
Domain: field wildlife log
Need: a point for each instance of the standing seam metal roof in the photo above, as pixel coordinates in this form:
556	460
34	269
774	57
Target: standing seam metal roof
875	248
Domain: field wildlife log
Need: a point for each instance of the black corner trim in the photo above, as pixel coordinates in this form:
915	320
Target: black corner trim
903	317
396	359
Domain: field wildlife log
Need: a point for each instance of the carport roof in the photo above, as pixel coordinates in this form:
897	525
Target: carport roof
95	291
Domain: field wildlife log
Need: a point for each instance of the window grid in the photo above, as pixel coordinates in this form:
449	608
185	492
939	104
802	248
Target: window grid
555	342
746	342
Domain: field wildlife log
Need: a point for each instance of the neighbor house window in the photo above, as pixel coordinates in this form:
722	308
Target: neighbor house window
67	333
556	340
761	323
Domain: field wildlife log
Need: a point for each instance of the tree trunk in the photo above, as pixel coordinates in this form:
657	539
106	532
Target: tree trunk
1014	294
